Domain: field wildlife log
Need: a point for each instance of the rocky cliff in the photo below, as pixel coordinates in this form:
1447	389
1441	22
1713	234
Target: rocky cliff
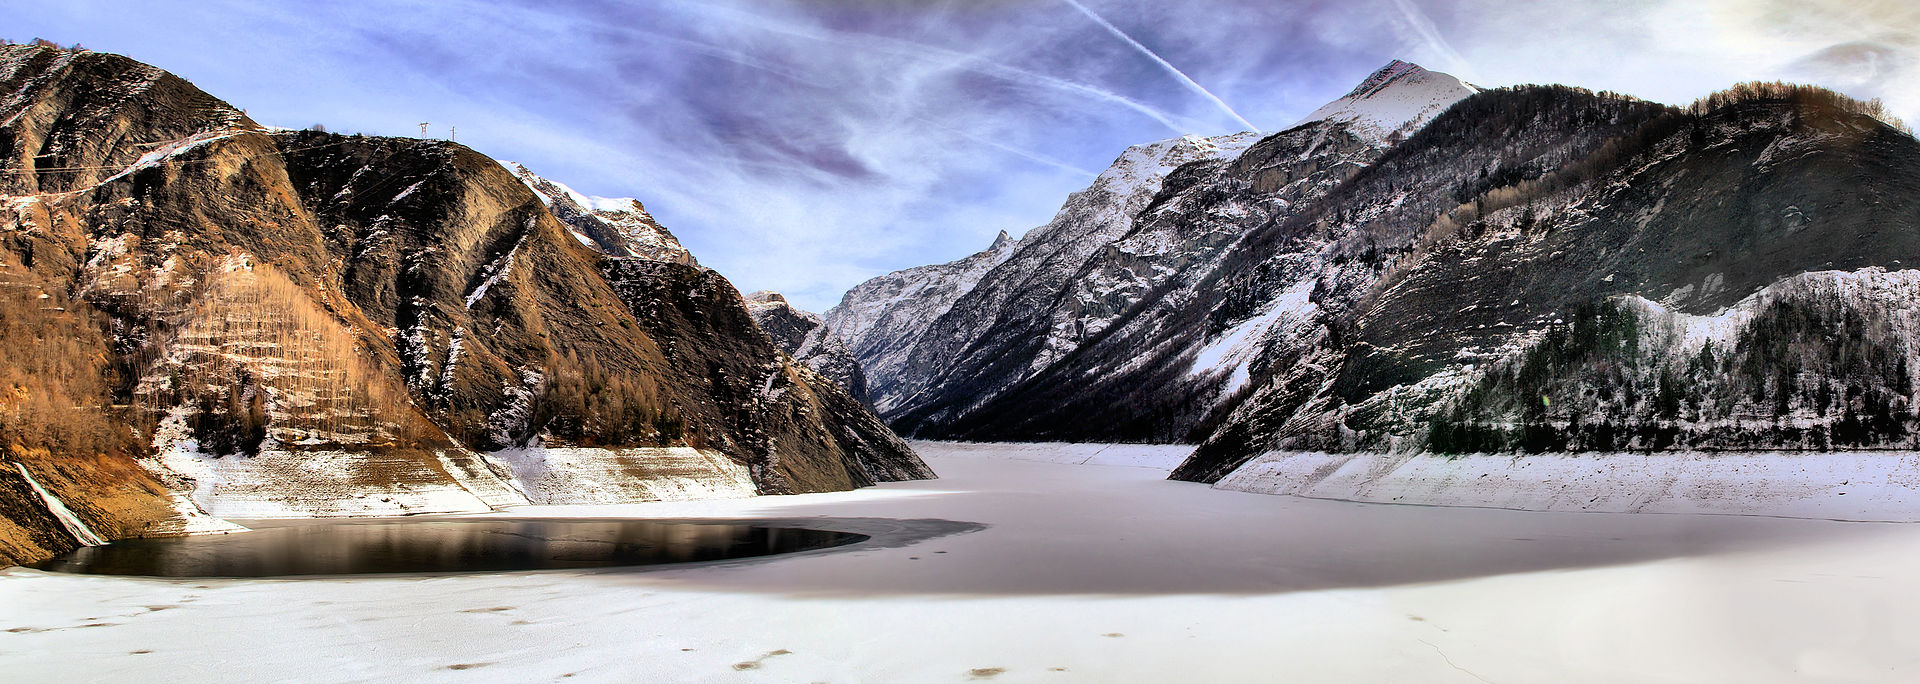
805	336
213	314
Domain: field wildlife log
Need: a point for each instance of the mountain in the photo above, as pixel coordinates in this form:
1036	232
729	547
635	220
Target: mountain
1032	287
616	226
882	318
1050	344
1393	102
807	338
1727	276
210	316
1424	266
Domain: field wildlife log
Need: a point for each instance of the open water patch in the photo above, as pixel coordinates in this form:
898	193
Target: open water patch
442	546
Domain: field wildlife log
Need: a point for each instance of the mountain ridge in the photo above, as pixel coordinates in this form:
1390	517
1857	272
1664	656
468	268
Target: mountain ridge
1111	247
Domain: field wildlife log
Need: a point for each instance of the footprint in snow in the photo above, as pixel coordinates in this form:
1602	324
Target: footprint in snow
755	663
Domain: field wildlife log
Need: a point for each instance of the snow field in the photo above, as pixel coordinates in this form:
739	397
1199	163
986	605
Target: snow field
1095	574
1863	486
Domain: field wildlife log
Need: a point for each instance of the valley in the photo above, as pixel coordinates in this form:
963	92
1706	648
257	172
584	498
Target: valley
1460	376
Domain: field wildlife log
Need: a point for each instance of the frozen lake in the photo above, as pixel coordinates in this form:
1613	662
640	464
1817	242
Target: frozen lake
1036	564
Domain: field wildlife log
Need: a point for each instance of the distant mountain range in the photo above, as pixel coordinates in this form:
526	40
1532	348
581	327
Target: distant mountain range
1426	265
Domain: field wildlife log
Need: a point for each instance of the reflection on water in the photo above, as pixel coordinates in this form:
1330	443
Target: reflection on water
440	546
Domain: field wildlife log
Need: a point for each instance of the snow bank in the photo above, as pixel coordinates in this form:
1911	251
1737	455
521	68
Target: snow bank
1865	486
573	475
1156	456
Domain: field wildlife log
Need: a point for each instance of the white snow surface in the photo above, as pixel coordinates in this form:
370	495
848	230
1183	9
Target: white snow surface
170	150
1083	573
1237	347
1399	98
1869	486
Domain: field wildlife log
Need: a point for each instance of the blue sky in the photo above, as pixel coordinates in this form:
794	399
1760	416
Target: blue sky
806	145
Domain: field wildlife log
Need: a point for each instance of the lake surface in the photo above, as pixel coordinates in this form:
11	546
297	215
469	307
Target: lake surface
440	546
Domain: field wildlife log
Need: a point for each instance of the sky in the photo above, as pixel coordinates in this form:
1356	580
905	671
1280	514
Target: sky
807	145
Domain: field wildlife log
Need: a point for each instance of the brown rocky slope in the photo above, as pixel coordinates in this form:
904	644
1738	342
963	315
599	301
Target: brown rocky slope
176	278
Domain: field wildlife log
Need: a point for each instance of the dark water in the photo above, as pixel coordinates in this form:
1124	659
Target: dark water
440	546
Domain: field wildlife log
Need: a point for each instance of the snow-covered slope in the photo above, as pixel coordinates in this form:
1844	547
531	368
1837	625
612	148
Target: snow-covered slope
950	306
898	305
1867	486
619	226
881	319
1394	101
1139	240
1644	278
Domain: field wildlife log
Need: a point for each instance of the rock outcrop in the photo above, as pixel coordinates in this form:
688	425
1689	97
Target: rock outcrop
807	338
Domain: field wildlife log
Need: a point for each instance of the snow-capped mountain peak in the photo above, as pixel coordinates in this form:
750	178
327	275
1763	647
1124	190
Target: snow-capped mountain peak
619	226
1399	98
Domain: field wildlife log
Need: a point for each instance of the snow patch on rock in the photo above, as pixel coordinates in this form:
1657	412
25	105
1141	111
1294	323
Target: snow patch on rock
582	475
316	484
1399	98
1237	347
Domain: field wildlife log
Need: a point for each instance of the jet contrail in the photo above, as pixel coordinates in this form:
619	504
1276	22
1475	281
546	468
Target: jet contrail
1009	149
924	52
1431	34
1122	35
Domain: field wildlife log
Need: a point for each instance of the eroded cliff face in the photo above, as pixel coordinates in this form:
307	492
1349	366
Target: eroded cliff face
211	313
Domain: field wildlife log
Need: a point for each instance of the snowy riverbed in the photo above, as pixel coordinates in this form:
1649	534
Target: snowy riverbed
1082	573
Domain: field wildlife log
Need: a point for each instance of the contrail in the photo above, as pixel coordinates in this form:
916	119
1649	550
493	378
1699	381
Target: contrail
1431	34
924	52
1009	149
1122	35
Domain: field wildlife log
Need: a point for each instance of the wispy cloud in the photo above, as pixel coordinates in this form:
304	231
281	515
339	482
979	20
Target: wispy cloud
1431	38
805	145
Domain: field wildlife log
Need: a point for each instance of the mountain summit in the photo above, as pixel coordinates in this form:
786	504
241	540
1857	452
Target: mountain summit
1396	100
